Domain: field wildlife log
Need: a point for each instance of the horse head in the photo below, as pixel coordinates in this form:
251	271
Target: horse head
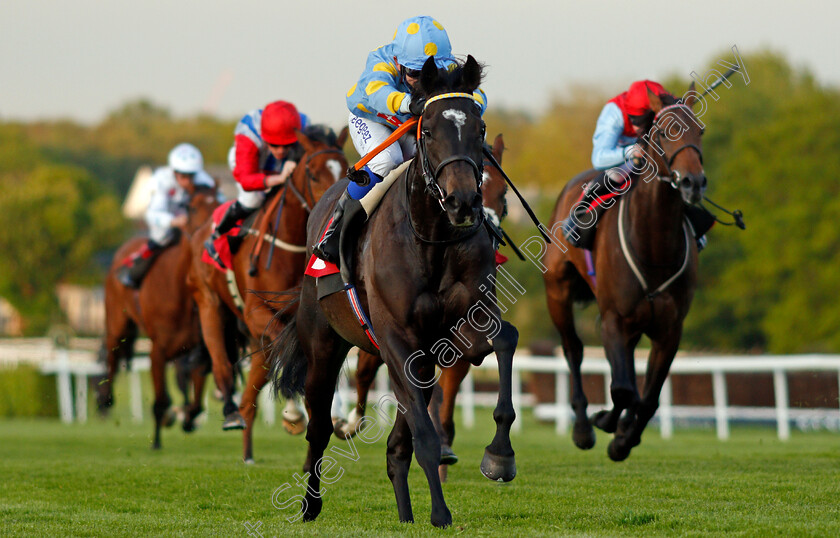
493	187
450	138
322	164
674	135
203	201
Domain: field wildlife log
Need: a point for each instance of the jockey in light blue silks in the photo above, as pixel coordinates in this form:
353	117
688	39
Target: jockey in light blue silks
379	103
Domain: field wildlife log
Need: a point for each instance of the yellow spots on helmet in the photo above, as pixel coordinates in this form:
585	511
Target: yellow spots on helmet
395	34
412	28
386	67
477	95
430	49
363	108
374	86
352	90
438	25
451	67
394	101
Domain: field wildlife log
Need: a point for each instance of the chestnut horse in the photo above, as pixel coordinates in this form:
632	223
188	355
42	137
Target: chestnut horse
319	168
646	263
423	257
164	308
442	407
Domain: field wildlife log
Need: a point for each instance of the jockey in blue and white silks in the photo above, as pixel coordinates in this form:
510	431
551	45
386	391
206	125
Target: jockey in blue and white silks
380	102
172	187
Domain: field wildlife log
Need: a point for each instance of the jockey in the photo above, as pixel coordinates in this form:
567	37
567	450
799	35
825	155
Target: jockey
265	153
615	149
172	187
379	103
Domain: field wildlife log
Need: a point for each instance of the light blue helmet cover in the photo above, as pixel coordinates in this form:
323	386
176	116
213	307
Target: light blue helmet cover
418	38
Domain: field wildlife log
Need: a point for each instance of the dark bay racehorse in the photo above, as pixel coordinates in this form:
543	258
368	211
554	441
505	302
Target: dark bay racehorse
442	407
164	309
645	260
422	258
255	306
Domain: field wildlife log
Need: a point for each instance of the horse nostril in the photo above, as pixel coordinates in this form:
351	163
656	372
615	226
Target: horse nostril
685	183
703	182
477	201
451	203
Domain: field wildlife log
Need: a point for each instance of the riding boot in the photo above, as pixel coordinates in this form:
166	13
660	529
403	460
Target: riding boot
234	214
328	247
131	274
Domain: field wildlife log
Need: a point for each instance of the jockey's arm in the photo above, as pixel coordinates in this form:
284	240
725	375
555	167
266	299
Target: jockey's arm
247	171
606	151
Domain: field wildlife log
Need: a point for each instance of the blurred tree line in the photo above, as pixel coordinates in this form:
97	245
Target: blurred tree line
770	149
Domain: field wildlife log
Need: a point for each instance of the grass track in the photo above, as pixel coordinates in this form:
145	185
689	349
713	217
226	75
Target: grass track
101	479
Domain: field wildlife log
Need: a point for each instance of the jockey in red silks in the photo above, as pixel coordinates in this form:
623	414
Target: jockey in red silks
265	153
615	147
172	187
379	103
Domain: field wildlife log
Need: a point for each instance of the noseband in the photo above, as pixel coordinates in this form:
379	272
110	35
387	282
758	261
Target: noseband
430	173
673	176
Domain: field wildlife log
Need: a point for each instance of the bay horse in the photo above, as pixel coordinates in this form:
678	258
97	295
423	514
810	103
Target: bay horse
255	302
645	259
423	258
164	309
442	407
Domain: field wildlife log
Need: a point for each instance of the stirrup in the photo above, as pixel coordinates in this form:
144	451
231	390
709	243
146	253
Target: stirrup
210	247
124	277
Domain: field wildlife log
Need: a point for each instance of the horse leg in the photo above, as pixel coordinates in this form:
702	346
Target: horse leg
162	400
619	347
198	375
560	307
499	463
257	378
398	456
215	335
442	411
426	442
629	433
366	369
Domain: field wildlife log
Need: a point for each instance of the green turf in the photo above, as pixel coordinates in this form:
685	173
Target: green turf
101	479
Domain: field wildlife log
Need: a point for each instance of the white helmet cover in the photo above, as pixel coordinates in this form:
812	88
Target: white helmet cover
186	158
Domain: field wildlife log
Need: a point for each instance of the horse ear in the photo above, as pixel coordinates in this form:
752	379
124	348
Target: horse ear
498	147
655	102
429	74
342	137
471	74
305	141
692	96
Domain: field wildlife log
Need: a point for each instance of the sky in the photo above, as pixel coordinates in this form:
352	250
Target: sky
80	59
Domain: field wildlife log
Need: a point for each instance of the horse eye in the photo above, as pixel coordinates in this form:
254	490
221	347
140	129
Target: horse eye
427	133
702	131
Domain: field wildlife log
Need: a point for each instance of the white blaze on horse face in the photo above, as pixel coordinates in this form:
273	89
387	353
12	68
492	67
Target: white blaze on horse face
457	117
335	167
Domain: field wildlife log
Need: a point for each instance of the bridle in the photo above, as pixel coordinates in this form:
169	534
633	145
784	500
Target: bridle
673	176
309	177
431	173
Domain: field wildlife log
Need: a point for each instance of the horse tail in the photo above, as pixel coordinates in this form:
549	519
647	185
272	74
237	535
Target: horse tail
287	362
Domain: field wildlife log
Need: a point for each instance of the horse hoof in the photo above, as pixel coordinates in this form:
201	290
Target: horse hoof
443	519
294	428
168	419
602	422
584	439
313	508
498	468
340	429
447	457
617	453
188	426
248	461
233	421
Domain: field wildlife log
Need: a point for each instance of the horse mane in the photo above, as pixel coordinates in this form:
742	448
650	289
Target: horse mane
465	77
